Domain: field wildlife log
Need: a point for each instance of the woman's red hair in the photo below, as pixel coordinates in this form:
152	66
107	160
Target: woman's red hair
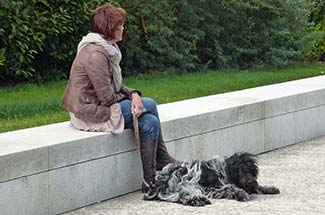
106	19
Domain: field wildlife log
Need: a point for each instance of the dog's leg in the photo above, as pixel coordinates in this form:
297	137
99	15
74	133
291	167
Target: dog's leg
267	190
229	191
197	201
193	195
186	196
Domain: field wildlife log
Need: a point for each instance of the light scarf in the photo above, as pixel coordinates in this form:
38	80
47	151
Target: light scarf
112	50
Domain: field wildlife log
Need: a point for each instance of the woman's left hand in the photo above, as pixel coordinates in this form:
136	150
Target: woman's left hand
136	105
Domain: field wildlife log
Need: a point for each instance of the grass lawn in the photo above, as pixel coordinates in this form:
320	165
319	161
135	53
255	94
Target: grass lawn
28	105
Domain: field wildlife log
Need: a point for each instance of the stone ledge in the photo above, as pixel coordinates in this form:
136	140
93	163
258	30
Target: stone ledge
55	168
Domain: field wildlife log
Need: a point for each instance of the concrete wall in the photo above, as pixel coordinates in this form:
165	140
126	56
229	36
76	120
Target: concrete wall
52	169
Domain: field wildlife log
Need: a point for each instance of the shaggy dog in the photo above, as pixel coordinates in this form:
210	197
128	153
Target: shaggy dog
193	184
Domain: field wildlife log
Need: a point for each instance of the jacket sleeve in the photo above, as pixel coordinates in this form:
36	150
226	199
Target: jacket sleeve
128	91
97	68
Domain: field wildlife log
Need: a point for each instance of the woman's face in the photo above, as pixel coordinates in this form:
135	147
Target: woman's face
119	33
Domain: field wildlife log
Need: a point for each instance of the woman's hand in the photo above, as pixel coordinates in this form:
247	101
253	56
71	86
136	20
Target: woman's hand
136	105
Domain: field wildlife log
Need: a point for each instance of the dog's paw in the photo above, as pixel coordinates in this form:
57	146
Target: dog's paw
199	201
268	190
272	190
242	196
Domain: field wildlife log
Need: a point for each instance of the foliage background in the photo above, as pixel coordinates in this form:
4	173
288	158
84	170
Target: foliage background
38	38
314	48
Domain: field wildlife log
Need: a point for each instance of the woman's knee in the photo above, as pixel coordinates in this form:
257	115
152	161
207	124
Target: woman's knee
150	105
149	126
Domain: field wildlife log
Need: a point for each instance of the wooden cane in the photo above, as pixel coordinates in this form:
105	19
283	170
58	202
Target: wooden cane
136	130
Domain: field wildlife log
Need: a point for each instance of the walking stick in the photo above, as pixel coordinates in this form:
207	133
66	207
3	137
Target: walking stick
136	130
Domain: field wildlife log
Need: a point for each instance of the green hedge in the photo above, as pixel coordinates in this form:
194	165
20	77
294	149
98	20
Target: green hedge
39	37
314	49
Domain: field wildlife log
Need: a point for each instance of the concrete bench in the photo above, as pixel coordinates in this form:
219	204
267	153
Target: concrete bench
55	168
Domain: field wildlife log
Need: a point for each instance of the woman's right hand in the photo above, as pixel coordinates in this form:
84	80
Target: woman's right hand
136	104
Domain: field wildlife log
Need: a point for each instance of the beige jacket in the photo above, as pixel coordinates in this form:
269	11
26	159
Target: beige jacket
90	92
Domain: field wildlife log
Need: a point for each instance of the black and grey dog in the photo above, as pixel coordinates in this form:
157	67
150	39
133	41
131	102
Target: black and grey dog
193	184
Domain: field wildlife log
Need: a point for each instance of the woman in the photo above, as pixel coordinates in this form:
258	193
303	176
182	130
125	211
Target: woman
98	101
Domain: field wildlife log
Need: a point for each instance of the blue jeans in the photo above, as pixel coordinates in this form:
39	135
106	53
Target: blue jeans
149	123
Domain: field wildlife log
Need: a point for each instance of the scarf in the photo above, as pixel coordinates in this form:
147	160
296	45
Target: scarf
112	50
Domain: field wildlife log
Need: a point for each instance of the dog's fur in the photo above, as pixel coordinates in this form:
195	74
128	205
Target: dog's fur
193	184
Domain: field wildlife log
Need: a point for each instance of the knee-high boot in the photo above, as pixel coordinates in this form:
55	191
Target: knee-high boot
148	151
163	157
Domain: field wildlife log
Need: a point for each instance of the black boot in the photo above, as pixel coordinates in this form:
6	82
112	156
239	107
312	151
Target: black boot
163	157
148	150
